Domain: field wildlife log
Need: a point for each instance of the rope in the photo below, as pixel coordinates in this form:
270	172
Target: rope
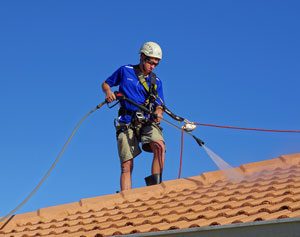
252	129
53	165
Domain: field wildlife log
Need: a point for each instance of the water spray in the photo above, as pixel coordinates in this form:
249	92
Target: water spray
230	173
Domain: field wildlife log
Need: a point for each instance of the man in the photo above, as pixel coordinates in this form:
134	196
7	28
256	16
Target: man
140	84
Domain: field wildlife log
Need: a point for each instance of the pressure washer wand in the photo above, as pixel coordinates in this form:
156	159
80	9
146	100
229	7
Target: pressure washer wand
120	97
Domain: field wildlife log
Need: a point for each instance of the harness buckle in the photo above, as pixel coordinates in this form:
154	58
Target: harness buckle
152	98
140	116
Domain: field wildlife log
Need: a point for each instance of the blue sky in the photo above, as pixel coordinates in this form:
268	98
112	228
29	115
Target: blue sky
232	63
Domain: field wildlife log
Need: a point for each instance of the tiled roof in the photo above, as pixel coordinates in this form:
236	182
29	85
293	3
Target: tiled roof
270	190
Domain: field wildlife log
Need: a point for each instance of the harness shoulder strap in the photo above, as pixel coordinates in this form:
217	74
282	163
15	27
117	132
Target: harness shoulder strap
153	85
143	81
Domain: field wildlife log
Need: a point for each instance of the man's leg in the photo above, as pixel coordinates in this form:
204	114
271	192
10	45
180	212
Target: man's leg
158	148
128	148
153	141
126	171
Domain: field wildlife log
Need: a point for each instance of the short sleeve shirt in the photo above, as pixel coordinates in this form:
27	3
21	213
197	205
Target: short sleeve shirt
130	86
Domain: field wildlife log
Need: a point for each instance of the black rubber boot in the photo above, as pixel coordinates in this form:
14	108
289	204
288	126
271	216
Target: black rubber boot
153	179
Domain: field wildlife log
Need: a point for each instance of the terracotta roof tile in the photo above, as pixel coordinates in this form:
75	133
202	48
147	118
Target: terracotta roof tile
295	214
270	190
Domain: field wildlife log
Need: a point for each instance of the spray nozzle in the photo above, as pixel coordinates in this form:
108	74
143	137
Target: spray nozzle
198	140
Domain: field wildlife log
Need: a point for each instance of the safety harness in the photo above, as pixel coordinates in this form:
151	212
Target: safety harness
138	118
152	93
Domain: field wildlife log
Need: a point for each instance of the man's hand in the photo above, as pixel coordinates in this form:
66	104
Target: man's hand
159	112
109	95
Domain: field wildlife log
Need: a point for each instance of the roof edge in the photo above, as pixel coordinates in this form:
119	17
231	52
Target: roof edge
280	227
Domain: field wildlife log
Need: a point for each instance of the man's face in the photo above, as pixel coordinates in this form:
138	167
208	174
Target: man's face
150	63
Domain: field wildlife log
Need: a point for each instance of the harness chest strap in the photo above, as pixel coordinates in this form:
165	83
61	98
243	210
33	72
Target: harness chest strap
152	90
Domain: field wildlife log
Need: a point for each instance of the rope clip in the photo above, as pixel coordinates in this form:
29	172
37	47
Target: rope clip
189	126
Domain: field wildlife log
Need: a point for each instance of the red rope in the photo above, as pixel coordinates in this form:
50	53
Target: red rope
253	129
181	155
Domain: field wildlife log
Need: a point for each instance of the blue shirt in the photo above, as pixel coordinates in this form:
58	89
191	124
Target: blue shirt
130	86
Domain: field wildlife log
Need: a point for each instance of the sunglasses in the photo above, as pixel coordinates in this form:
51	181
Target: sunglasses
151	62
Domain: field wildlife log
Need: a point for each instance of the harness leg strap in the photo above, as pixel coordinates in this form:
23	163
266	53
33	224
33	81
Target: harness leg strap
121	129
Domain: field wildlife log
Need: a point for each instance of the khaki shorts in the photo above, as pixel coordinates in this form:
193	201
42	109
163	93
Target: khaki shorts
128	142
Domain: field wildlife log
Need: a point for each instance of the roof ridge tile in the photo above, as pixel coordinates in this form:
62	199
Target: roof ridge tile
250	168
291	159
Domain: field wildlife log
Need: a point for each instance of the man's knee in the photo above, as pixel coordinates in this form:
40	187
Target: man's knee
158	146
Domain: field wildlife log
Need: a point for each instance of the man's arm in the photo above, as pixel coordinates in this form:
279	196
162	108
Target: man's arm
109	95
